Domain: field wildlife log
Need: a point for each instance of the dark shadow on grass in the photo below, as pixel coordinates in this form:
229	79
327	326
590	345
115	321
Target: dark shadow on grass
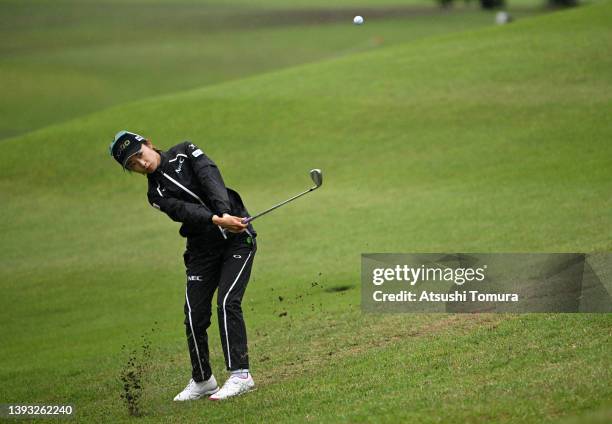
341	288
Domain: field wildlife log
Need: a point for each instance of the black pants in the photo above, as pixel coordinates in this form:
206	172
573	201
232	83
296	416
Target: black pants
226	266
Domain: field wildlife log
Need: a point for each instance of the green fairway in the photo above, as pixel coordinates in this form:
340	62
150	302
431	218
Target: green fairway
63	59
484	140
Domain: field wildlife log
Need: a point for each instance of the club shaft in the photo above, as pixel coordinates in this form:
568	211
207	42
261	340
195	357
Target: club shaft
280	204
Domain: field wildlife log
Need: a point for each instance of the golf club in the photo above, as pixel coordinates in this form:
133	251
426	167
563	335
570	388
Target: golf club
317	178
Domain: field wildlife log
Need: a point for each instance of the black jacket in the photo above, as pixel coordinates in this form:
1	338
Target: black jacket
188	187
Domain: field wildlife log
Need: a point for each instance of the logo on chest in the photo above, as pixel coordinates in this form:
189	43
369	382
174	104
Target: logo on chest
180	158
180	166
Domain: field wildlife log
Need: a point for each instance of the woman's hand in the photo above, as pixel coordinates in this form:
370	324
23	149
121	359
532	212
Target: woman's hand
231	223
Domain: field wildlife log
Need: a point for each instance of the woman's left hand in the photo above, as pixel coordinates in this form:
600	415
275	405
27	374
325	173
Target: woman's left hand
229	222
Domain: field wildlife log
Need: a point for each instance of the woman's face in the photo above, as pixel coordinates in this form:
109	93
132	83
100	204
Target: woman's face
145	161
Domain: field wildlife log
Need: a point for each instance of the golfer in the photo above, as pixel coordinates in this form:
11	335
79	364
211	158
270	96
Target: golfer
187	186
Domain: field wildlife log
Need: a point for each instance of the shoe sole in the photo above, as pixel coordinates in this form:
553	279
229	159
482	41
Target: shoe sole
208	393
239	394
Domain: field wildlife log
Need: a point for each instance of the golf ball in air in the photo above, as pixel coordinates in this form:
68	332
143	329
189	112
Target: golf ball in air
358	20
502	18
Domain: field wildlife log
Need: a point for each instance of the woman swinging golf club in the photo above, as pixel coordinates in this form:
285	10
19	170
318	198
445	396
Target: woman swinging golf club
187	186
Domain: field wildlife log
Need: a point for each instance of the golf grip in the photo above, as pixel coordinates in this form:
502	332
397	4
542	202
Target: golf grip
246	220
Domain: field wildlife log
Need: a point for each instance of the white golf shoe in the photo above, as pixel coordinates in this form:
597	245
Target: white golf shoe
195	390
234	386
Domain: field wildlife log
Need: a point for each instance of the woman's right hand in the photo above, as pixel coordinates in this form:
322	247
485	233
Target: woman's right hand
229	222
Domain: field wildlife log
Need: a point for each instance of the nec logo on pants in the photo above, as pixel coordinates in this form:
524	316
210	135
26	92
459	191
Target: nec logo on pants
194	278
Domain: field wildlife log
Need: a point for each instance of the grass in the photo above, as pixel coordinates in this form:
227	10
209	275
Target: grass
65	59
493	139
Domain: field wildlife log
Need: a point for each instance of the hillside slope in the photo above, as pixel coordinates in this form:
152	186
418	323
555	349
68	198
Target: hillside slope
68	58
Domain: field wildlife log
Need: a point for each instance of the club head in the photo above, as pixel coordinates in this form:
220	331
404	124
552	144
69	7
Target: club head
317	177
